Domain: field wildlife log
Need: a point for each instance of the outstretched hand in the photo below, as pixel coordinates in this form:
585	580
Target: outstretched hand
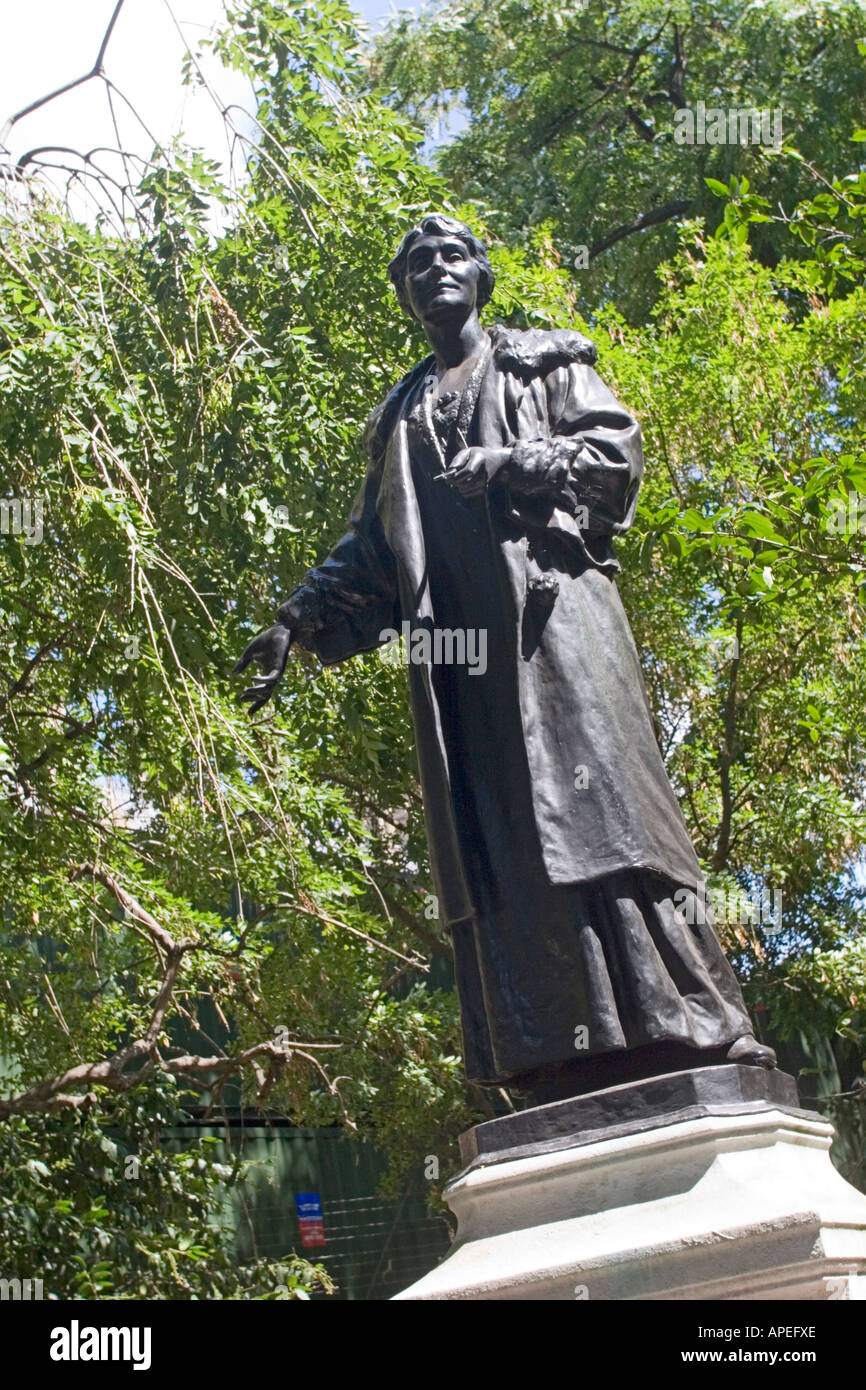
270	650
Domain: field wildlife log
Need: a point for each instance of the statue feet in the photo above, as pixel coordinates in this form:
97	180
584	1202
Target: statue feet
751	1053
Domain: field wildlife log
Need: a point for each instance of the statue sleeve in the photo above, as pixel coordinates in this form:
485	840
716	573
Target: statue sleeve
589	456
347	602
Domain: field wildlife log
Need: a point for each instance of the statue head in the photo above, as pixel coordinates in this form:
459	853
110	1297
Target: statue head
439	266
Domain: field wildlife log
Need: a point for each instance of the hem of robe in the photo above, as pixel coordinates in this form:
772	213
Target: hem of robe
617	967
608	1069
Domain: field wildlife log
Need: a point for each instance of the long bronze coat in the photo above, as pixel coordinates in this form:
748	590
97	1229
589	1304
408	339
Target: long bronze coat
600	797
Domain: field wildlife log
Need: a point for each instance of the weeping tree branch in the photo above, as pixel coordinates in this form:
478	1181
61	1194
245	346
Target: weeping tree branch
727	757
91	169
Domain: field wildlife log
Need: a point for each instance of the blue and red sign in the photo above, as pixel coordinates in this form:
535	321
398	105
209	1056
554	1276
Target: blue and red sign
310	1220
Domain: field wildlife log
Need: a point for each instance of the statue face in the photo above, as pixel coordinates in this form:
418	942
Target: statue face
441	279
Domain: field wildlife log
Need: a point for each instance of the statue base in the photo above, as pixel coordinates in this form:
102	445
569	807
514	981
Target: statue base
704	1184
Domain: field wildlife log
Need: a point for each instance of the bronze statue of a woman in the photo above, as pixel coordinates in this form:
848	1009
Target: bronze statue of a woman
500	470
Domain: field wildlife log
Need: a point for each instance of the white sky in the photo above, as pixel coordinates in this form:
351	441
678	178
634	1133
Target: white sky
45	43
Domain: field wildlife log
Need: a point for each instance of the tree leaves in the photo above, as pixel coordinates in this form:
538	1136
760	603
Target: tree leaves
568	116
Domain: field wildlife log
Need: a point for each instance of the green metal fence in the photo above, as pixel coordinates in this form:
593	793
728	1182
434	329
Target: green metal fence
374	1247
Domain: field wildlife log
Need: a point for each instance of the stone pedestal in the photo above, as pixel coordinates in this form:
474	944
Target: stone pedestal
707	1184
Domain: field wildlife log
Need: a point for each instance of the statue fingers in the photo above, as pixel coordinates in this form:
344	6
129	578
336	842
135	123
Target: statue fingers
468	480
457	476
258	694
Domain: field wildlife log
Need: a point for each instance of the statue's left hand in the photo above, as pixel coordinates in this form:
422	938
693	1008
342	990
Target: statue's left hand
270	651
473	470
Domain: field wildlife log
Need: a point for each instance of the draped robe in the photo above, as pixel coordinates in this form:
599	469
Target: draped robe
556	842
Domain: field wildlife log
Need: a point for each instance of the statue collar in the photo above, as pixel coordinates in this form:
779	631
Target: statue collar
535	352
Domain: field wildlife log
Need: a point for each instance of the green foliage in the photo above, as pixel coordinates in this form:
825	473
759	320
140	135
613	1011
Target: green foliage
186	399
746	594
566	114
187	407
187	404
111	1214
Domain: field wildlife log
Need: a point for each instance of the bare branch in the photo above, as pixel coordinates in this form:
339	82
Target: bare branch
54	1095
95	71
73	1088
130	904
434	943
653	218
